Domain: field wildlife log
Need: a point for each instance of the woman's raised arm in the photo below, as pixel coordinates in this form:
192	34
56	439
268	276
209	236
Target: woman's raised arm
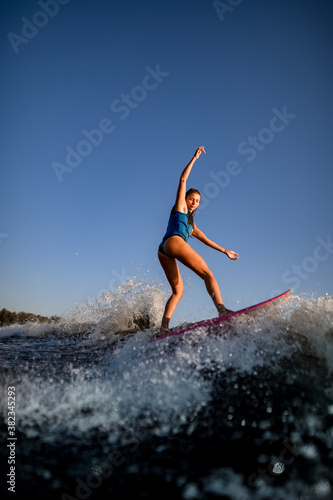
180	204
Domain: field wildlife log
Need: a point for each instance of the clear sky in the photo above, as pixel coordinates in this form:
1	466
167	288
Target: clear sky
103	103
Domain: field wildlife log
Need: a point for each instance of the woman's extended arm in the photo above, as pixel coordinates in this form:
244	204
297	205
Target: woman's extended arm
180	204
203	238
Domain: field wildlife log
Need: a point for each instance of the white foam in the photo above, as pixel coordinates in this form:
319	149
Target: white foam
159	386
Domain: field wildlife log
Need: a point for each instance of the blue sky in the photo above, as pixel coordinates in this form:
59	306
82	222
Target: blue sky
104	103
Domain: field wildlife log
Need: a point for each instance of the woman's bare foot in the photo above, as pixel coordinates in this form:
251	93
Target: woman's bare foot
222	310
163	331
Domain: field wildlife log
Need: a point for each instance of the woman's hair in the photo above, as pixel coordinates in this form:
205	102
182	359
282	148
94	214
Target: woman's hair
188	192
192	190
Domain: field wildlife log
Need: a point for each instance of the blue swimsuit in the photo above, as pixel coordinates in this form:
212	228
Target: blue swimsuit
178	225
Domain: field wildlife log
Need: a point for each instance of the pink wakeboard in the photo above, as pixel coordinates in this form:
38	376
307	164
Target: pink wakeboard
225	317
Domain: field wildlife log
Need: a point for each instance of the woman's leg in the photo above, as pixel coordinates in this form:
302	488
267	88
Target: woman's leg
170	267
177	248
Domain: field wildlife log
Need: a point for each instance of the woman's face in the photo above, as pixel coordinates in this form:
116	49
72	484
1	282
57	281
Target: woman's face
193	201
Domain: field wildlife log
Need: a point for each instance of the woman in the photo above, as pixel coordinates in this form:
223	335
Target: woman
174	246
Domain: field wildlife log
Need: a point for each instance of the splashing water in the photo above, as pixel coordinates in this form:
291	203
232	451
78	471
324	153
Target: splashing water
240	413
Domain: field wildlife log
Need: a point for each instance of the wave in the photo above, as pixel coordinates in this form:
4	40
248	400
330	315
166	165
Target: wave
245	397
163	378
132	306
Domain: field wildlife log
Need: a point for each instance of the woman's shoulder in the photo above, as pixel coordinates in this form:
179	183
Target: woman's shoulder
180	208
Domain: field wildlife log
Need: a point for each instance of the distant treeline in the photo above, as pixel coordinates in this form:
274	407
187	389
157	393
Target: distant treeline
8	318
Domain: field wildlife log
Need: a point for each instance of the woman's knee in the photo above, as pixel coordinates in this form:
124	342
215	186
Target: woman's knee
178	291
206	274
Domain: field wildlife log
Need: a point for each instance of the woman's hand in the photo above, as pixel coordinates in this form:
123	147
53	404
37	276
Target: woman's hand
198	152
232	255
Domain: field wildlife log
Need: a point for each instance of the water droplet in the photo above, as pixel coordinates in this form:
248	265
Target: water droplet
278	468
97	470
309	451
